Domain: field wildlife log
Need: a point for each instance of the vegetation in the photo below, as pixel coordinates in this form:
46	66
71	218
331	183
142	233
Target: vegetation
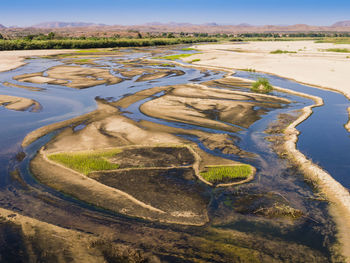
216	174
85	60
189	49
280	210
26	44
174	57
86	162
262	85
195	60
335	40
53	40
340	50
93	51
278	51
248	69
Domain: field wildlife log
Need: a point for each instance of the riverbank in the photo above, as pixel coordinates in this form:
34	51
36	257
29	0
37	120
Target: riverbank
13	59
305	62
19	103
336	194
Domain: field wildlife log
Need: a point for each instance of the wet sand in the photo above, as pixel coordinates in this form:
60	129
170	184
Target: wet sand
19	103
14	59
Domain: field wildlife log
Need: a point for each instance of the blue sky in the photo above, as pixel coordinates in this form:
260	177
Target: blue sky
128	12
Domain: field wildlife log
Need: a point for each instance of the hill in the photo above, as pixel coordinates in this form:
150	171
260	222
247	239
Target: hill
64	24
342	24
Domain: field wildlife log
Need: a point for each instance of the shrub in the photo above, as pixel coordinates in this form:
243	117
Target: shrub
340	50
195	60
278	51
262	85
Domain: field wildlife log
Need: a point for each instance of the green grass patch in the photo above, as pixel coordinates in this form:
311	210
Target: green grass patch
248	69
262	85
188	49
87	162
175	57
217	174
167	65
340	50
279	51
195	60
85	60
93	51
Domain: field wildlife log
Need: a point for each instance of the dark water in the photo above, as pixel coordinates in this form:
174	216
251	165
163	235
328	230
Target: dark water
323	137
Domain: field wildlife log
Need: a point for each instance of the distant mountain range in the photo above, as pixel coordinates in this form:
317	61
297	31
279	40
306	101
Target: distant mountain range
93	29
64	24
342	24
297	27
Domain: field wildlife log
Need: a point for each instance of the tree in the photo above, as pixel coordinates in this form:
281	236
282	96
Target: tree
51	35
262	85
1	37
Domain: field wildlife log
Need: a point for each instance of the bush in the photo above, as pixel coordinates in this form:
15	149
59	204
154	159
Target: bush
278	51
262	85
340	50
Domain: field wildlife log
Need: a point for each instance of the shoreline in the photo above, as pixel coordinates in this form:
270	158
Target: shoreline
309	61
336	194
10	60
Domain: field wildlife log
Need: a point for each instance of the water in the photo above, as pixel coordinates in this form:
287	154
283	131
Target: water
62	103
323	137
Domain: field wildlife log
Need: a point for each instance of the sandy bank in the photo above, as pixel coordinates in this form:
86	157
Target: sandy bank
14	59
310	64
19	103
335	192
307	65
337	195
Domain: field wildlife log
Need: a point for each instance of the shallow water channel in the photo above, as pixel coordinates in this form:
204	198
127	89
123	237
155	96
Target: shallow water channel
323	139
